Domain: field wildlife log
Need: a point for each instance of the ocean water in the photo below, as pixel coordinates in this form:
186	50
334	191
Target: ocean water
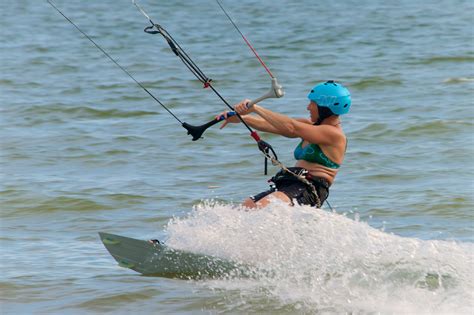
84	149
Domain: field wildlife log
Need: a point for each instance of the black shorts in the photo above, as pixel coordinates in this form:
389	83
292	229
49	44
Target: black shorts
297	190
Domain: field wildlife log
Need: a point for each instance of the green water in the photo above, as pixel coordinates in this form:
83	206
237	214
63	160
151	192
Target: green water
83	149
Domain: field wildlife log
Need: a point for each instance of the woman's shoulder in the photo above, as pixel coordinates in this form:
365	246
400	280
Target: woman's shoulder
329	135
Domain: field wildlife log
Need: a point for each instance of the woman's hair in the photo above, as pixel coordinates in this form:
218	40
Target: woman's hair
324	112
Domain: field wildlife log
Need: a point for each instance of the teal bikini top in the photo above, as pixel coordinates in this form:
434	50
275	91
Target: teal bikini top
312	153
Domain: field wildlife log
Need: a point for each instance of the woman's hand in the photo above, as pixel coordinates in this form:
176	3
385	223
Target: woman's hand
240	108
228	119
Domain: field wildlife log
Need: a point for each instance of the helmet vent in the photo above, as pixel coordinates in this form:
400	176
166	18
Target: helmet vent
337	104
312	91
345	106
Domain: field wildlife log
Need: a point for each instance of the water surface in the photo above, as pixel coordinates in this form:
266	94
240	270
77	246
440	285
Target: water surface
83	149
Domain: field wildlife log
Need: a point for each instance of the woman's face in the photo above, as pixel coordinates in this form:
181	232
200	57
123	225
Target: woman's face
313	111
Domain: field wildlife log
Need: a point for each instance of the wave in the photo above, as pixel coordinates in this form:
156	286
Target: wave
85	112
443	59
434	127
458	80
21	203
371	130
410	129
7	82
316	261
35	206
371	82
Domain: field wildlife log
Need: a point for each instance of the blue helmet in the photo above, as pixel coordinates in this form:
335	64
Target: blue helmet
332	95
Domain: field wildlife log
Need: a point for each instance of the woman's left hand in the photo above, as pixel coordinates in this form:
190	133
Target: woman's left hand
242	109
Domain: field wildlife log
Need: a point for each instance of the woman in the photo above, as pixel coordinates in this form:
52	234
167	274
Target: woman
320	152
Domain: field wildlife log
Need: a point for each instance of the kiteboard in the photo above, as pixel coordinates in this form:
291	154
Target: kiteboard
151	258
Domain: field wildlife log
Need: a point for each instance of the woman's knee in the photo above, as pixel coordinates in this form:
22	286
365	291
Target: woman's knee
278	195
275	195
249	203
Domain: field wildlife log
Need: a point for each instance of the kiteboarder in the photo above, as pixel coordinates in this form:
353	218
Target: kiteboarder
318	155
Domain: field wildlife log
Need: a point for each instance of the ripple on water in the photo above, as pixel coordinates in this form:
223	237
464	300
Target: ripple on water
433	128
444	59
82	112
458	80
375	82
36	205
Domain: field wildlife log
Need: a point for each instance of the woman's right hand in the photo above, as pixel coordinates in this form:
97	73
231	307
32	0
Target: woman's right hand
228	119
240	108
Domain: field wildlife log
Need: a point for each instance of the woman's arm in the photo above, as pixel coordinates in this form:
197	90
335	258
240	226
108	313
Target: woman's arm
293	128
252	120
258	123
280	124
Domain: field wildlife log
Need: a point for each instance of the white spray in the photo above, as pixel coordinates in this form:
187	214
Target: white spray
320	261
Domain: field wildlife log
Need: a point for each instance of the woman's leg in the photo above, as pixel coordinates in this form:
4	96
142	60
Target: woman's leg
249	203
